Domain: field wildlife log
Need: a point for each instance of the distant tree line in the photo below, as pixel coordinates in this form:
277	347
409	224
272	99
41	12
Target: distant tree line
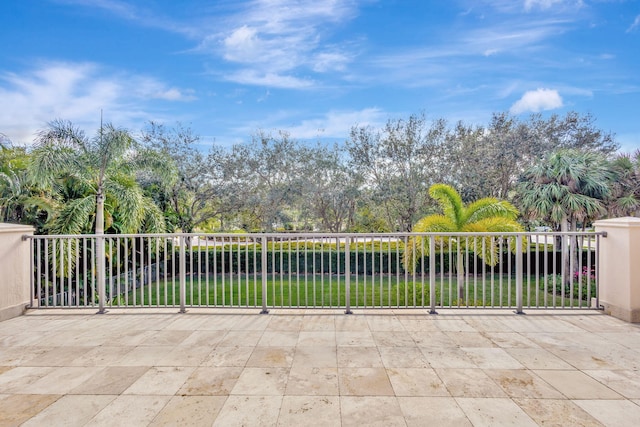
560	171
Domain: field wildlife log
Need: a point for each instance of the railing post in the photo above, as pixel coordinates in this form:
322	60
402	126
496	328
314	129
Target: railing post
263	254
183	274
100	274
519	270
347	274
432	274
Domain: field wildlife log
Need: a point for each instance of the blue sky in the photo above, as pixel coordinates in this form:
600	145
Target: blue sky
315	67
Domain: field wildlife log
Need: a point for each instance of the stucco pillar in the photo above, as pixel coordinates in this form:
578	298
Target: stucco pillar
15	270
619	268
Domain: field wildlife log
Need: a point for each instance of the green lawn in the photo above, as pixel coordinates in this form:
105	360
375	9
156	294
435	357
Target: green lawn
329	291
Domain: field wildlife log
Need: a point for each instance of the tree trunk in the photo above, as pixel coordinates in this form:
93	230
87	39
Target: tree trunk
100	212
460	274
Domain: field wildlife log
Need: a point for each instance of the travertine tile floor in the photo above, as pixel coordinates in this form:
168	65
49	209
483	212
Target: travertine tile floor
318	368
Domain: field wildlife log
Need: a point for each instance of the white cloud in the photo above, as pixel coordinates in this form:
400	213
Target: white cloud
270	40
253	77
338	123
537	100
635	25
76	92
542	4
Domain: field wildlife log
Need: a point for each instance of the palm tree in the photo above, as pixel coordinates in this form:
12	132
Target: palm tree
83	173
483	215
567	188
624	199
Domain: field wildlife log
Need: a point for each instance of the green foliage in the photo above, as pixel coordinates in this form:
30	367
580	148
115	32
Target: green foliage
484	215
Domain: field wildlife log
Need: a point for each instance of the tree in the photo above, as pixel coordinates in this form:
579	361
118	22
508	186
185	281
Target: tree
202	190
397	165
330	189
567	188
483	215
624	199
82	175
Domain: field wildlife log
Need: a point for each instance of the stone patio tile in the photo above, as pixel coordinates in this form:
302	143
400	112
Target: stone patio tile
110	380
206	381
416	382
494	412
189	411
393	338
70	411
144	356
19	339
583	358
15	379
186	323
59	381
250	322
162	380
279	339
351	323
432	339
318	323
228	356
57	356
312	381
492	358
469	383
203	339
384	323
18	408
454	325
452	357
319	357
619	355
355	338
364	382
470	339
241	339
129	410
556	413
436	411
577	385
627	383
403	357
101	356
626	338
20	356
248	411
317	338
131	337
185	356
319	411
419	324
261	382
511	340
359	357
166	337
488	324
371	411
537	358
613	413
285	323
522	383
271	357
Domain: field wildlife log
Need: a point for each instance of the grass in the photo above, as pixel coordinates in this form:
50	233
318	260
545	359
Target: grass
330	291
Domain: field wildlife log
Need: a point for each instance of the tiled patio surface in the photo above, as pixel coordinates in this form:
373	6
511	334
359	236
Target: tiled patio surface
319	368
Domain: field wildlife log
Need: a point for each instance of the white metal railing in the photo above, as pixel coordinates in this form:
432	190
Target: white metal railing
307	270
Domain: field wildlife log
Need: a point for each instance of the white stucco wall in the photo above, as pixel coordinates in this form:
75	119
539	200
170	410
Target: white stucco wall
619	268
15	273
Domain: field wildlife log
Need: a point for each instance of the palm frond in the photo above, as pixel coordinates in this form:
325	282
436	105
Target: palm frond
75	216
450	201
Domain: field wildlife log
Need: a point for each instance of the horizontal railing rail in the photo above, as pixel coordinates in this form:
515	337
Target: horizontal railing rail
317	270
